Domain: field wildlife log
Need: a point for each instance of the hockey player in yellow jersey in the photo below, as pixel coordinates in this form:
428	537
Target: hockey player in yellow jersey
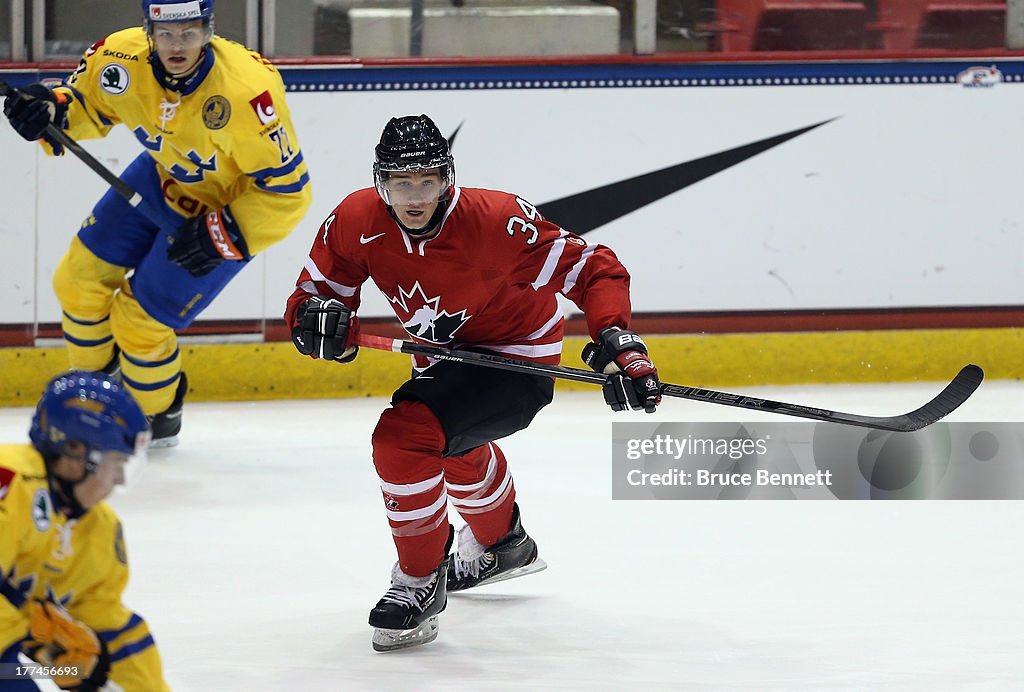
221	166
63	564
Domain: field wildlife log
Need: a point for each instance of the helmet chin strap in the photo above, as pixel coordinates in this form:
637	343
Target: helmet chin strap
435	220
65	495
176	82
66	499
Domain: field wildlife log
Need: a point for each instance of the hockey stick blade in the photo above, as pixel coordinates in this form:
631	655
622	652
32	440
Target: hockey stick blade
945	402
954	394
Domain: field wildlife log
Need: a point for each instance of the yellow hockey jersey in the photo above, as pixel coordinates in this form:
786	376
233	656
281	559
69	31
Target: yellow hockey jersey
79	563
227	140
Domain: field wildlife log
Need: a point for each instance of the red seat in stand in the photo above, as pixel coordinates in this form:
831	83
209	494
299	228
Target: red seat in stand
954	25
761	25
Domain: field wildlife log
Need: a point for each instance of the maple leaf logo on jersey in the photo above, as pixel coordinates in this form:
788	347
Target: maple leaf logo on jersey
424	317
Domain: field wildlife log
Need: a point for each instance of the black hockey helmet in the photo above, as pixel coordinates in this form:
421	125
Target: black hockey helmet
410	143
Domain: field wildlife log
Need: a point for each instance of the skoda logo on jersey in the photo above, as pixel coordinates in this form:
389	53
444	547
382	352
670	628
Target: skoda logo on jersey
425	319
114	79
42	509
216	112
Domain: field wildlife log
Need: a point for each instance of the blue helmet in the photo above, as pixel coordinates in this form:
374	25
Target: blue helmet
90	408
176	11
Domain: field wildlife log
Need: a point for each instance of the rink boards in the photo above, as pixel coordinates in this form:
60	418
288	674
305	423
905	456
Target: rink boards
232	372
769	189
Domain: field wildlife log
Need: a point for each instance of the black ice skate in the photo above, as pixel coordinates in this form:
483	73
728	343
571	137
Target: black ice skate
515	555
113	368
407	614
166	426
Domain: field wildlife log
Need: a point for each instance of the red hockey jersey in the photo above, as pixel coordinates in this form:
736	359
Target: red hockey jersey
488	279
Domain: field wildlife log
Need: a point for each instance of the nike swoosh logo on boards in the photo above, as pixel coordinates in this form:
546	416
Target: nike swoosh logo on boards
363	240
585	211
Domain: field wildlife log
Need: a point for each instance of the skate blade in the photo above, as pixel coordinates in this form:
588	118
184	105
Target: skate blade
537	565
393	640
164	442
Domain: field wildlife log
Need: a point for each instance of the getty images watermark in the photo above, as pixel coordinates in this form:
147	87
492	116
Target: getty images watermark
816	461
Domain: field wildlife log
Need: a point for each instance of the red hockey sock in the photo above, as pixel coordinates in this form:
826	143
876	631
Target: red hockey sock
480	487
407	447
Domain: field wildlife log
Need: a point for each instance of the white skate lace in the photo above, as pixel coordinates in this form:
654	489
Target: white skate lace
472	568
410	596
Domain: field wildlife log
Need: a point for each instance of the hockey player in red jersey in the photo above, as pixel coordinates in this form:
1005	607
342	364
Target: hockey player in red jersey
469	268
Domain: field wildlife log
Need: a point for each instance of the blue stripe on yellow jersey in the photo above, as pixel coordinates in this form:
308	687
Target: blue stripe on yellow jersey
228	141
80	563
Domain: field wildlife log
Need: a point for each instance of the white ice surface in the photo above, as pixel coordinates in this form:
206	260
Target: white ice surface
259	545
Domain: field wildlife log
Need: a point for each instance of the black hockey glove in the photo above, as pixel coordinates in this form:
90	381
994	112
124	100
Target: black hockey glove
204	242
34	107
634	380
326	328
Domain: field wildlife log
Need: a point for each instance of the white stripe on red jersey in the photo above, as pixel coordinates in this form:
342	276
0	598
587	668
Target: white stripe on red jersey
490	278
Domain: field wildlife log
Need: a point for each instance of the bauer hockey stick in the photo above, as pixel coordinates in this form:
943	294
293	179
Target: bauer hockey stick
954	394
122	188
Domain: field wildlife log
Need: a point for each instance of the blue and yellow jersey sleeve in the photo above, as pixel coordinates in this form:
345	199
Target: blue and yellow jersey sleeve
84	119
227	140
79	563
273	192
26	536
90	582
91	114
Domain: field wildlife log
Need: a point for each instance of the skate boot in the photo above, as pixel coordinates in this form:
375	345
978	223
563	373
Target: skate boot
166	425
407	614
113	368
515	555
